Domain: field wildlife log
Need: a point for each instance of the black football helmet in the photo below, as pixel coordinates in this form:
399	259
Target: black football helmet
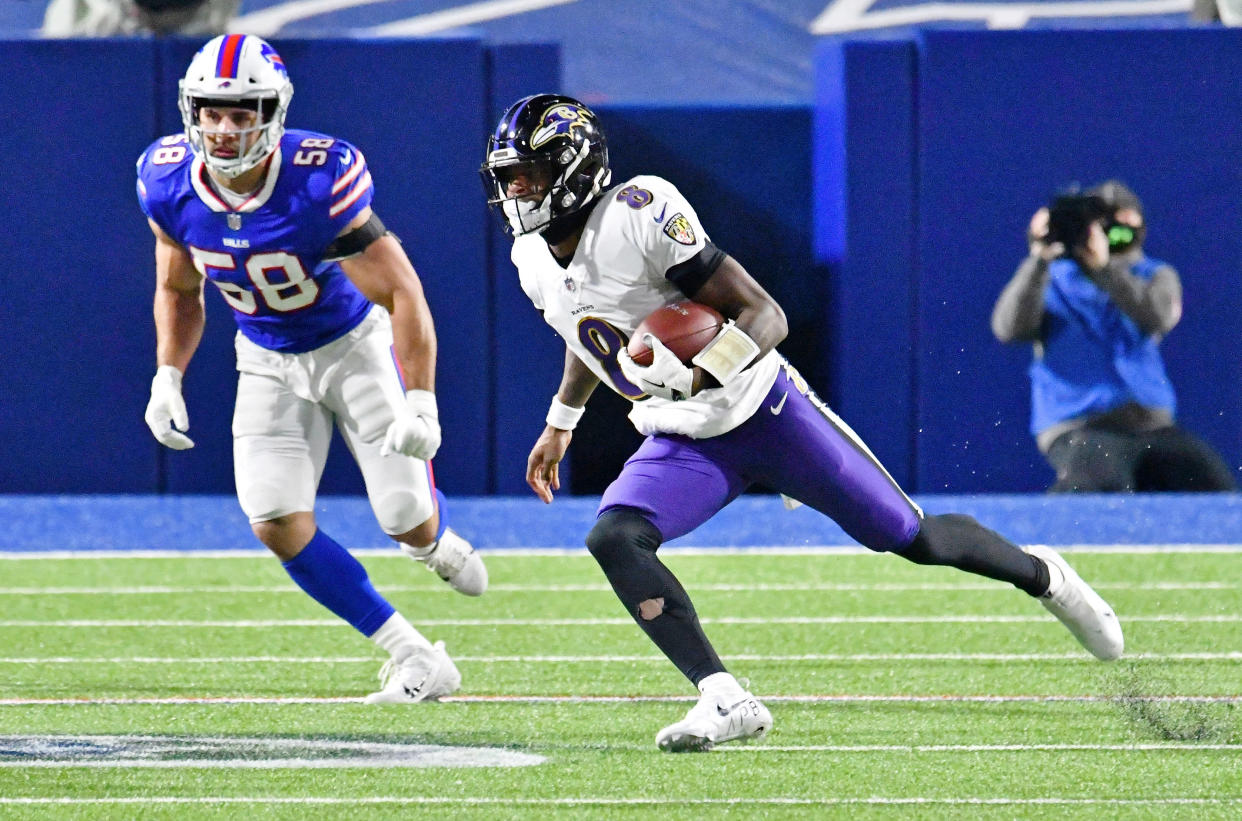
555	141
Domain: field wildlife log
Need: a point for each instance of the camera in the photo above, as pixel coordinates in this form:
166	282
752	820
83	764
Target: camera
1070	217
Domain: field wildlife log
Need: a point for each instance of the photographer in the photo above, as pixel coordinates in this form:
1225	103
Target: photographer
1095	308
107	18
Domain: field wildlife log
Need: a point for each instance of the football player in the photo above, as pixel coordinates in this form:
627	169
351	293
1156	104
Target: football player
333	328
595	259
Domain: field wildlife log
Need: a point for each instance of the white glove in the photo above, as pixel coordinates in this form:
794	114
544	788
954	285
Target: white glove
665	377
416	430
167	409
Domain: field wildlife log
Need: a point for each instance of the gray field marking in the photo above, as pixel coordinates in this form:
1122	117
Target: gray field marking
245	752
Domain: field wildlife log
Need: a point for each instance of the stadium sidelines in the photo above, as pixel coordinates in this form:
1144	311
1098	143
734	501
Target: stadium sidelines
64	524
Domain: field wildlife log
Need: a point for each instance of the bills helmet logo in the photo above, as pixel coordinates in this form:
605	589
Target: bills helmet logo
561	118
268	53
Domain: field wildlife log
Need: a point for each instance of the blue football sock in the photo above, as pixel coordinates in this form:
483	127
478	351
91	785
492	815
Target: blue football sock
335	579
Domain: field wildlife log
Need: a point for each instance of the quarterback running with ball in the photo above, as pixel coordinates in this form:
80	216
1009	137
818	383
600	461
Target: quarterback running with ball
333	329
595	259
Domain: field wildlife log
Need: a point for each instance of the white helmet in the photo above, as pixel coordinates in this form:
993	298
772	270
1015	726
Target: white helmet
242	71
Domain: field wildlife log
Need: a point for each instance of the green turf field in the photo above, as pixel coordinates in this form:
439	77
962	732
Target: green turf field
897	691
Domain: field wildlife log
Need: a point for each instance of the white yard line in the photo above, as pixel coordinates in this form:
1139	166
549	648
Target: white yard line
623	801
972	748
620	659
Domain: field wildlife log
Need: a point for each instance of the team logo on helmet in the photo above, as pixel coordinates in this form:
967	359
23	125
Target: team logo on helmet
268	53
561	118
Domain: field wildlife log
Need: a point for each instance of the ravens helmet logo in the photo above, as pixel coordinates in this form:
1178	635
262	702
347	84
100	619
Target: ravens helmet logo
561	118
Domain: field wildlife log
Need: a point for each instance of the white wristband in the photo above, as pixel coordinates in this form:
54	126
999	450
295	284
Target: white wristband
562	416
727	354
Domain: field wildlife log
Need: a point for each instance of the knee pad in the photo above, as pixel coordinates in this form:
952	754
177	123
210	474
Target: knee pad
624	544
618	533
400	511
263	501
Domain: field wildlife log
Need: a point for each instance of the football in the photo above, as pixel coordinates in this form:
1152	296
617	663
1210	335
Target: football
684	328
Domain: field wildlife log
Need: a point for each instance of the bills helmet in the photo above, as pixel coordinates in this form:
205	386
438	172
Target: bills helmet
237	71
555	140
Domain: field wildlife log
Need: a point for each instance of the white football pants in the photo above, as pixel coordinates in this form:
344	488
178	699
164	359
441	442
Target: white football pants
282	426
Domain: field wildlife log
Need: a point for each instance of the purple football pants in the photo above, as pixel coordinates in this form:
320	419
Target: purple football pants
792	444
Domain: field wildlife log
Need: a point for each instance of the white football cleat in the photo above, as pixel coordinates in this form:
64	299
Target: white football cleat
1081	609
428	675
454	560
711	722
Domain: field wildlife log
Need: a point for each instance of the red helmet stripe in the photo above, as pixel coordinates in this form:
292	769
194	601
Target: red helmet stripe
230	56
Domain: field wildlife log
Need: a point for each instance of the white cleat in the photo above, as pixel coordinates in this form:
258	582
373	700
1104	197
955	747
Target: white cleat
454	560
1081	609
428	675
711	722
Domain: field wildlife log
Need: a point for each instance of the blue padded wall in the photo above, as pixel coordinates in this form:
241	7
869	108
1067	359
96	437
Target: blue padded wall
75	268
932	153
865	187
1004	119
210	384
526	355
745	171
929	157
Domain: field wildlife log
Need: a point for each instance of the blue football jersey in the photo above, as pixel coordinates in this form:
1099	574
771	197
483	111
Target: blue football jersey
266	255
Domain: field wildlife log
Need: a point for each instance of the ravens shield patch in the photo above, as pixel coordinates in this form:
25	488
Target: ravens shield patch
679	229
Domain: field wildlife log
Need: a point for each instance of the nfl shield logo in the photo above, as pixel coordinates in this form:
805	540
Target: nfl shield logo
234	221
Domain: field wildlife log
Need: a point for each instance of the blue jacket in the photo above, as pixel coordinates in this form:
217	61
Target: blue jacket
1095	358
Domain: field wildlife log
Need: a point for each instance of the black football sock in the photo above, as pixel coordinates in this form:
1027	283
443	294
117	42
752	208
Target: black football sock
954	540
624	543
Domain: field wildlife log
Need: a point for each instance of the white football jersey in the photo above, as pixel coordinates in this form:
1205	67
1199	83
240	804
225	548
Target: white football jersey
639	230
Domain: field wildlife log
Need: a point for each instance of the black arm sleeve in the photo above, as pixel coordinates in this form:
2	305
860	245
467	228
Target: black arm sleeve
690	275
356	241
